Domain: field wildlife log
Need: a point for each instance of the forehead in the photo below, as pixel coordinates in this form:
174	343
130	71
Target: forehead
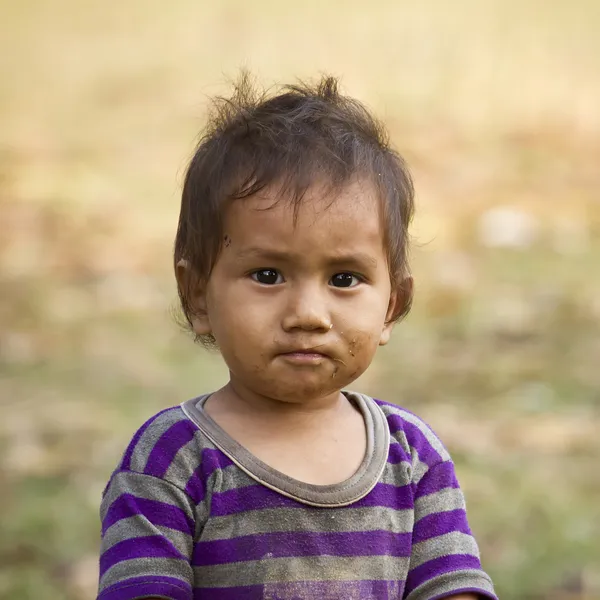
344	218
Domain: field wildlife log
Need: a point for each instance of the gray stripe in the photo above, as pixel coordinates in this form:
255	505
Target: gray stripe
442	501
188	459
137	527
399	437
415	466
137	567
146	443
406	466
419	469
448	544
433	440
398	475
451	582
319	521
147	487
232	477
314	568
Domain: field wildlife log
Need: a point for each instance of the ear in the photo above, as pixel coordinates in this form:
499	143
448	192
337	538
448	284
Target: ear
194	290
400	297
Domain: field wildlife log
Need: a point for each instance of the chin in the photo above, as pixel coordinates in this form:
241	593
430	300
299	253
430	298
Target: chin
298	392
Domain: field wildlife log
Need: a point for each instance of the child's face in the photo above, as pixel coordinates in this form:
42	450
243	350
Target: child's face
299	308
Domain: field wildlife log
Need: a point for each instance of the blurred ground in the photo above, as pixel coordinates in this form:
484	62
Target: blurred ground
495	104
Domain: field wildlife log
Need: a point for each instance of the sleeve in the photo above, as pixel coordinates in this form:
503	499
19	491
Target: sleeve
147	538
445	558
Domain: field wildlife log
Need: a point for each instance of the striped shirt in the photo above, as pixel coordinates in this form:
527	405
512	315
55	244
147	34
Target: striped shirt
189	514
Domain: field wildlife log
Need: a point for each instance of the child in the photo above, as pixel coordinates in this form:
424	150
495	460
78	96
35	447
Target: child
291	258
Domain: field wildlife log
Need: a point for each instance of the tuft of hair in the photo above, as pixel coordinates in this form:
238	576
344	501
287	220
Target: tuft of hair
292	138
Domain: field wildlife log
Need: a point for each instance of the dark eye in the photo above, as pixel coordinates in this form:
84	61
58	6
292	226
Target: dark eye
344	280
267	276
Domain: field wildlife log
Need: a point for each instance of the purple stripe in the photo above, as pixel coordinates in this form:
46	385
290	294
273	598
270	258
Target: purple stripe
439	566
195	488
440	477
384	403
439	524
398	407
158	513
252	497
301	543
258	497
416	439
382	590
397	454
148	586
211	460
387	496
126	462
167	446
152	546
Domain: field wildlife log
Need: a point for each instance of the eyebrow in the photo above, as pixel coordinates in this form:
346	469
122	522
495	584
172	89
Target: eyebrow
267	254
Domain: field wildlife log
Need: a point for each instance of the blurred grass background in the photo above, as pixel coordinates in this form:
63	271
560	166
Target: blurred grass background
496	106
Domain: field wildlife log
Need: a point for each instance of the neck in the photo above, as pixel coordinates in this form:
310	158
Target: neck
245	402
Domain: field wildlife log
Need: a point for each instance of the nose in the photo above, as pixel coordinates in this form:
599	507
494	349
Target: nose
306	310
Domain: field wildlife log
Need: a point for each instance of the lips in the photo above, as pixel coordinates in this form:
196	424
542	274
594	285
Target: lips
311	351
305	355
304	358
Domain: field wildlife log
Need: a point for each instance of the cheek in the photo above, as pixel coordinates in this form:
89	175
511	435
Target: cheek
366	320
232	309
241	326
360	348
360	345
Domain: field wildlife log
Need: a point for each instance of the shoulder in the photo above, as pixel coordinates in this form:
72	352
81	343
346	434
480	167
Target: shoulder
171	447
161	436
413	432
412	439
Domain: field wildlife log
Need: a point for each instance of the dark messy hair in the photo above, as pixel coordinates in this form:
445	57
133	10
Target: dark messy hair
301	135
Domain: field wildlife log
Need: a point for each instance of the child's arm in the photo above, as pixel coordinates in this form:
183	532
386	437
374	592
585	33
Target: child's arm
147	539
444	563
149	514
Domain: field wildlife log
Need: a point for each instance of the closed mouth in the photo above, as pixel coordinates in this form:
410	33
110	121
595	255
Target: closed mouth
307	351
305	355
